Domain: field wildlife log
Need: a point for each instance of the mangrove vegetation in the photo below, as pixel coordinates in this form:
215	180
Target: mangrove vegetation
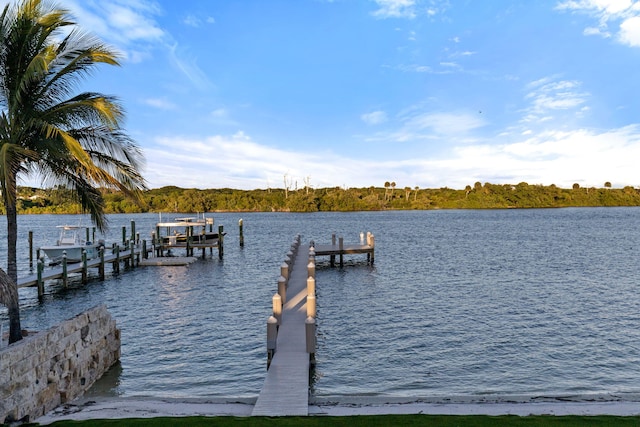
477	196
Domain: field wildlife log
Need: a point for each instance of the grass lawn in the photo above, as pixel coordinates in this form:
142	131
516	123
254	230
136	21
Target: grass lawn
367	421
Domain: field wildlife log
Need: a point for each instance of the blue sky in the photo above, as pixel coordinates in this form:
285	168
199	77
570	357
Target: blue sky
252	93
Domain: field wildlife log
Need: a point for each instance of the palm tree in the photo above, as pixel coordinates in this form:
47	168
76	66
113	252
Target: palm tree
47	131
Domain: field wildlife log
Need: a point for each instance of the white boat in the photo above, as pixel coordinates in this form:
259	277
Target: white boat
73	243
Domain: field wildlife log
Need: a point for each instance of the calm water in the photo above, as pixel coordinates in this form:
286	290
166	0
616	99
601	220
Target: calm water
459	303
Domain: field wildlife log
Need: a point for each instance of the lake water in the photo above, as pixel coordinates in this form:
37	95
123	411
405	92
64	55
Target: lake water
468	303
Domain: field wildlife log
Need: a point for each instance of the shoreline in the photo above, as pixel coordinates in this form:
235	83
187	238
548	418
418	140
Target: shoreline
95	407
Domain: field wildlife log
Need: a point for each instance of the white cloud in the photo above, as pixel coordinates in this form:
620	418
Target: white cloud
374	118
595	31
118	21
587	157
444	123
189	67
160	103
548	95
606	12
192	21
417	125
395	9
630	31
221	116
237	161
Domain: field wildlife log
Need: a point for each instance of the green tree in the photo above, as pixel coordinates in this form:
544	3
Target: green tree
74	140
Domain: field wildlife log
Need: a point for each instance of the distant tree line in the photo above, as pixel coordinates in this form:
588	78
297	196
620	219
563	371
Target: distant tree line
477	196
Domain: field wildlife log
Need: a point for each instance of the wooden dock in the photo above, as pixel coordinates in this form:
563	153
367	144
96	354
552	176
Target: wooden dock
338	248
123	254
286	386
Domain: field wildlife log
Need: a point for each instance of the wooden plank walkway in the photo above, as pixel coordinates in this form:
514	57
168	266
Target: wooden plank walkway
286	386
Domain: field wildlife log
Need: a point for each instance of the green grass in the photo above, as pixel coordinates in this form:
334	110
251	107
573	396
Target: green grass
367	421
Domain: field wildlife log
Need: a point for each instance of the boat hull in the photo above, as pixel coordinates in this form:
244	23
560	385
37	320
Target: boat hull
73	252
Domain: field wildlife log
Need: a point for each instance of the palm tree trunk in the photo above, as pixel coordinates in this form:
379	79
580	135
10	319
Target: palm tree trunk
9	298
9	280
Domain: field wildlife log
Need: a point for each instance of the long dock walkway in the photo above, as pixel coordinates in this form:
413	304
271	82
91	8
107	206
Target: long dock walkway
57	271
286	386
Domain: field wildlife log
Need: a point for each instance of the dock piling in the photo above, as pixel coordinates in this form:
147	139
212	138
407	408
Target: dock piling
65	276
220	241
311	286
282	289
85	268
240	224
277	307
132	248
40	282
101	266
272	338
284	270
310	332
311	306
30	249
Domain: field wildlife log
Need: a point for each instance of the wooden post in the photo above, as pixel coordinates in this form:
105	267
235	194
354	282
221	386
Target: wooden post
189	236
341	244
311	286
277	307
282	289
373	248
84	267
101	267
157	241
220	241
116	264
30	249
40	282
272	338
132	247
311	269
87	235
310	332
93	235
332	257
124	235
241	233
284	270
133	230
64	269
311	306
145	254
